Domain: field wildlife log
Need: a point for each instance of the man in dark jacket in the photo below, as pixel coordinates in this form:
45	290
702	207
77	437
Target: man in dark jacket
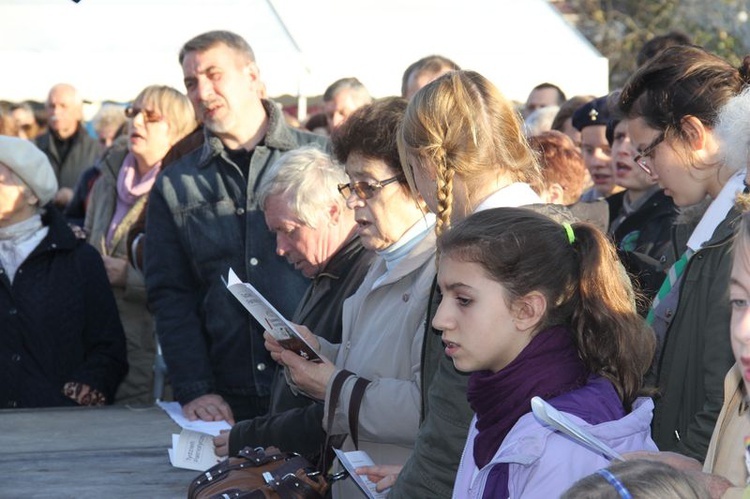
203	219
315	231
68	146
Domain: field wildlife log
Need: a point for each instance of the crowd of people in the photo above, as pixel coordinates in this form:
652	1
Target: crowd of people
449	254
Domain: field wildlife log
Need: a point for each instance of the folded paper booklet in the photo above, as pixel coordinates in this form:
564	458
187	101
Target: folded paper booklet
353	460
193	450
270	318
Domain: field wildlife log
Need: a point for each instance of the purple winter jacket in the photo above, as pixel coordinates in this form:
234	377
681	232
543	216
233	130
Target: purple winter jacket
545	463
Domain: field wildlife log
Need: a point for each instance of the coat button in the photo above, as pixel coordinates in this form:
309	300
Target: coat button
261	366
240	211
253	261
405	297
15	357
668	313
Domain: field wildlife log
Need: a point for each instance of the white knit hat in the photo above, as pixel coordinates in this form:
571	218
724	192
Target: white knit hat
27	161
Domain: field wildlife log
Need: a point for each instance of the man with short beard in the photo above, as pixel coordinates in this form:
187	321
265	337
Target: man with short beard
203	218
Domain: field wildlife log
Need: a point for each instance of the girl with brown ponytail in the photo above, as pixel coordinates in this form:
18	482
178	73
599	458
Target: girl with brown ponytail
534	308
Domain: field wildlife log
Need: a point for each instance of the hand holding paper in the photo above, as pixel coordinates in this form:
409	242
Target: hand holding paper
310	377
276	324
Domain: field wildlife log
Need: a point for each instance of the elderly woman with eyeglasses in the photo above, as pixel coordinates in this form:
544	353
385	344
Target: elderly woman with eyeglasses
383	321
158	118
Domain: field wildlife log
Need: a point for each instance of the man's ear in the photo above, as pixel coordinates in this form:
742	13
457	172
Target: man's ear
334	214
529	310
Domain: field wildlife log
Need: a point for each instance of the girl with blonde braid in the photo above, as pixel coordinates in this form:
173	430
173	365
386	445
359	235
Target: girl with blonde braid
463	150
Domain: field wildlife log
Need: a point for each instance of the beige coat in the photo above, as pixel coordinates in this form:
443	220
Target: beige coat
726	452
137	388
383	325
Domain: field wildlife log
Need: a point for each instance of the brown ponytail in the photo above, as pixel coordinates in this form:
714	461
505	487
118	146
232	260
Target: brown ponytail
585	285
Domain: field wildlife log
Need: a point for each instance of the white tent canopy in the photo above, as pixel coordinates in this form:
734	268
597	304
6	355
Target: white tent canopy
111	49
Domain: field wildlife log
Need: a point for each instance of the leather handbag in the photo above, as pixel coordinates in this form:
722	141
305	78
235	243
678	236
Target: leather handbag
259	474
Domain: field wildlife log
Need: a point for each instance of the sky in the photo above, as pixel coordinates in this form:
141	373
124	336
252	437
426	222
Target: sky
111	49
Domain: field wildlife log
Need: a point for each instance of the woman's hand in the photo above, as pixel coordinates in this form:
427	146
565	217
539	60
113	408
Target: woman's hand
275	348
383	476
221	443
117	270
310	377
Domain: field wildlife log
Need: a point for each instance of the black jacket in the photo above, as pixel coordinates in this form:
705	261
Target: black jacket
294	422
82	154
648	229
59	323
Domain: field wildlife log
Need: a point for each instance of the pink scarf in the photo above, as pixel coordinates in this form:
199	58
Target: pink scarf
130	187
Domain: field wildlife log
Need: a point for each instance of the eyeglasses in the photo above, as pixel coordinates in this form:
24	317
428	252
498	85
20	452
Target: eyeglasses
148	115
365	190
641	157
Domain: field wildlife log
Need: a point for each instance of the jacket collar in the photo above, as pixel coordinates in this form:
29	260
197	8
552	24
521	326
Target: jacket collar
340	261
417	257
112	161
278	135
60	236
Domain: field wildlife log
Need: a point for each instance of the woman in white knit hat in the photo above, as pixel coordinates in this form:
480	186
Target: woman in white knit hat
62	341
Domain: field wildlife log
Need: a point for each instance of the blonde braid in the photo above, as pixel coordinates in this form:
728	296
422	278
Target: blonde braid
444	197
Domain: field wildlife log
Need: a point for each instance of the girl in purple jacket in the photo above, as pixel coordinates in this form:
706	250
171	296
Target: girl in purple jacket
534	308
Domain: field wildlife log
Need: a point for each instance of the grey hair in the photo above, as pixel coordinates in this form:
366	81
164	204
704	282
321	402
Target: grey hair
210	39
311	176
362	94
733	131
540	120
109	115
77	97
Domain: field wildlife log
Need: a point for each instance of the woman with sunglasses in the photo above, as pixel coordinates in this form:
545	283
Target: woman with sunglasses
159	117
383	321
672	106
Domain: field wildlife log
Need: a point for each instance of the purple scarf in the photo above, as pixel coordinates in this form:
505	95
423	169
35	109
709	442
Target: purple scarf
130	187
547	367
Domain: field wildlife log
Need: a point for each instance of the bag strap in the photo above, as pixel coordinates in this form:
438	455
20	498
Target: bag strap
358	393
333	399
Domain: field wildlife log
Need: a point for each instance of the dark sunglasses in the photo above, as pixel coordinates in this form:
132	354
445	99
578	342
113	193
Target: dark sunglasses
148	115
365	190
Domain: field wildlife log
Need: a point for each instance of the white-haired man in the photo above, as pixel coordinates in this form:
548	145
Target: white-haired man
315	232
